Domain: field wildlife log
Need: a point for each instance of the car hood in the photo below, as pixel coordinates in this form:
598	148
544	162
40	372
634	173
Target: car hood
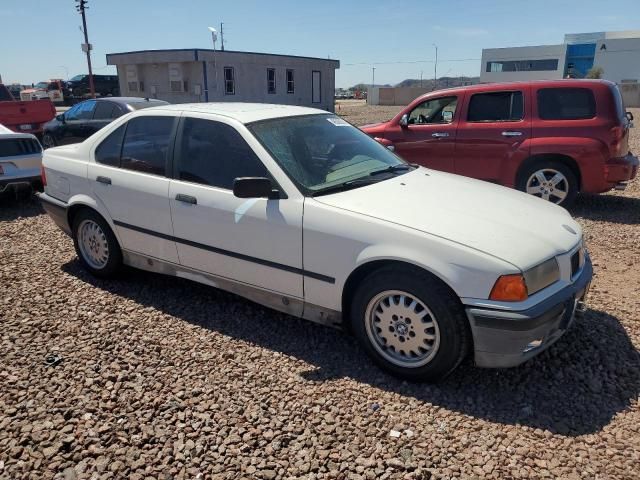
513	226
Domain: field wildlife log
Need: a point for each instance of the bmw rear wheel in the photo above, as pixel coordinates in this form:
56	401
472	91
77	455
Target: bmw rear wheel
95	244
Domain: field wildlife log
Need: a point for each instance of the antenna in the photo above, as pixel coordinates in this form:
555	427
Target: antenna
214	36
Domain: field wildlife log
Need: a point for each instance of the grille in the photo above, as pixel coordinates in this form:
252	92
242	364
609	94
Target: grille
575	263
19	146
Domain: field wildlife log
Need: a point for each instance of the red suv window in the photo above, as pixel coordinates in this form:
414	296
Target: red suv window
566	103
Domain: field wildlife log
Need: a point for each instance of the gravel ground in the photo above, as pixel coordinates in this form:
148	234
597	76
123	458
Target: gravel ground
163	378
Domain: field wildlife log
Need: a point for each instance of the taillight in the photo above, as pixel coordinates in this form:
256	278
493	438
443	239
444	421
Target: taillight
617	136
43	176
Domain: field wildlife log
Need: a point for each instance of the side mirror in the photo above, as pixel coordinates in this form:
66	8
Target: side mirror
629	116
254	187
60	117
447	116
404	121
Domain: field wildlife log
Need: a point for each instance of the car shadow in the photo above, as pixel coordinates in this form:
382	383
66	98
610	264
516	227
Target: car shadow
607	208
576	387
19	205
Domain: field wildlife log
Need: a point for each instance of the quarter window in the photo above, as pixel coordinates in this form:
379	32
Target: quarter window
108	152
436	110
146	144
290	83
271	80
496	107
215	154
566	104
229	81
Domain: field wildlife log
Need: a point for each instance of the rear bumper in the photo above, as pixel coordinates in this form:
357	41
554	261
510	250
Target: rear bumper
619	171
57	210
19	182
507	338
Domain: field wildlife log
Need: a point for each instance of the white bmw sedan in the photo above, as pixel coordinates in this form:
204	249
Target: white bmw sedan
297	210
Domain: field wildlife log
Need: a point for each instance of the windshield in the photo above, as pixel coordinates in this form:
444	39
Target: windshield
77	78
319	152
42	85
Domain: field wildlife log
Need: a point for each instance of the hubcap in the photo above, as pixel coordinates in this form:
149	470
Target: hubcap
93	244
548	184
402	329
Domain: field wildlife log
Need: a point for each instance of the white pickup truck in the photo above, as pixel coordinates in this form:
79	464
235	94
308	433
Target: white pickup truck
20	161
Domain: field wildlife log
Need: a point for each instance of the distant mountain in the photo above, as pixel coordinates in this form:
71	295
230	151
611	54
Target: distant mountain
443	82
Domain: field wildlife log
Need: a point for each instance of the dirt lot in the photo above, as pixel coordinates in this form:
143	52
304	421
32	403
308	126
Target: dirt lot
164	378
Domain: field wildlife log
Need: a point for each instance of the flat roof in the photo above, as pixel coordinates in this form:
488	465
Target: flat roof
243	112
210	50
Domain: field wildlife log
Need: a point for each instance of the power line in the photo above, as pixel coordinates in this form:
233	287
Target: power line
411	62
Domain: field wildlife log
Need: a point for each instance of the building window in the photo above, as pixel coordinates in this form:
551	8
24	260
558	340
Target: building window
496	107
271	80
229	81
316	96
550	64
290	86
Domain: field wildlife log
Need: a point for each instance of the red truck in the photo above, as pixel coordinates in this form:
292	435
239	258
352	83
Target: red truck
24	117
552	139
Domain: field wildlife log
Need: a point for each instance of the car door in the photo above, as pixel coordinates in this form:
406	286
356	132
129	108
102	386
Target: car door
73	129
493	136
128	176
428	135
104	113
256	241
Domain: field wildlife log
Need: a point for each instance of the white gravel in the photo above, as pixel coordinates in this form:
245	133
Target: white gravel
163	378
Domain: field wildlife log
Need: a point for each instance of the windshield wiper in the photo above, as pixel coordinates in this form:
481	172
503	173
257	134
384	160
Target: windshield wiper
393	168
341	187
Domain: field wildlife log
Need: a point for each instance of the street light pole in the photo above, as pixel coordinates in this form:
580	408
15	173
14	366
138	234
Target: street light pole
82	5
373	76
435	69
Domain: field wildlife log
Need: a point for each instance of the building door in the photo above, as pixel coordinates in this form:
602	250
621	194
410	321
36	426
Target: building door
316	85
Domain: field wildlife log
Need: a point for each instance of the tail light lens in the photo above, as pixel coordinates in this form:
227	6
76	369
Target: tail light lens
43	176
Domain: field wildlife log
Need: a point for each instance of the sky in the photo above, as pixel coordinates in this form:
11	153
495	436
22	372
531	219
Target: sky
41	39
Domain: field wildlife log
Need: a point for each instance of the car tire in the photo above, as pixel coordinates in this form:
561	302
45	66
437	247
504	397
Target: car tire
48	141
550	180
410	323
96	245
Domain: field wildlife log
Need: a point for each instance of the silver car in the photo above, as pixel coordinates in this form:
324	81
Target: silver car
20	161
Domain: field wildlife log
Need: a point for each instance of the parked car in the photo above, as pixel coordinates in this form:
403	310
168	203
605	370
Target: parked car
104	85
215	193
53	89
86	118
551	139
24	117
20	161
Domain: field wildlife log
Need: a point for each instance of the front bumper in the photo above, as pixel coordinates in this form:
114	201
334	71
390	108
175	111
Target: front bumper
508	338
57	210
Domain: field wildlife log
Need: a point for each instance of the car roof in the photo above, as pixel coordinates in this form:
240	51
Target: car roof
243	112
128	100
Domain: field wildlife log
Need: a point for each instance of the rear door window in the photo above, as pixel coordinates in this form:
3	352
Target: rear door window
108	152
496	107
105	111
146	144
566	104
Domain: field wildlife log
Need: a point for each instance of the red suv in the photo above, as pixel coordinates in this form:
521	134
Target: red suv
552	139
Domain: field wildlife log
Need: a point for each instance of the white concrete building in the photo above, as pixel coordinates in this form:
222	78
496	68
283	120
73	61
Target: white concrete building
617	53
202	75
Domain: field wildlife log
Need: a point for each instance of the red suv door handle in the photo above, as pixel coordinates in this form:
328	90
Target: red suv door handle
511	133
440	134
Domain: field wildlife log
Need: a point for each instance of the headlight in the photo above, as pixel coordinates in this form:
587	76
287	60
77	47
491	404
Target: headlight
516	288
541	276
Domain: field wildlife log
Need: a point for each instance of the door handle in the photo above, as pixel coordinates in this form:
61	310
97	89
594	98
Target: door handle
440	134
105	180
511	133
181	197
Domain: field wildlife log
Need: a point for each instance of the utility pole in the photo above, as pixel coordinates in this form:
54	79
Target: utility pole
81	7
221	37
435	69
373	76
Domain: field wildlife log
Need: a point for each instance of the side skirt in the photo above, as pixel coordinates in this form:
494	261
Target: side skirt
282	303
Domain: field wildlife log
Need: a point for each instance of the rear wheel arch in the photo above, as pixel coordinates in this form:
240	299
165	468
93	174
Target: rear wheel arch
550	157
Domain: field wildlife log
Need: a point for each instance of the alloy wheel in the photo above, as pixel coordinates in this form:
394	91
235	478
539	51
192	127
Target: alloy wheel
93	244
548	184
